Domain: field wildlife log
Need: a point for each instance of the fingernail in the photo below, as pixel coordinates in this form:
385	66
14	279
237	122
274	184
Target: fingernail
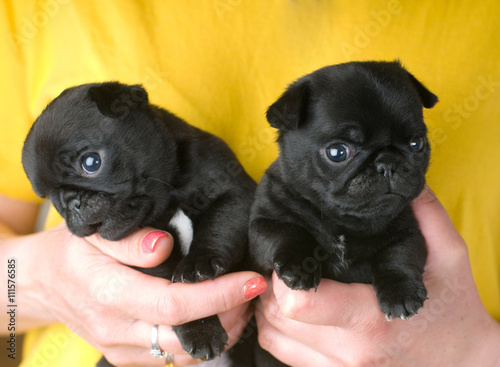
151	239
255	287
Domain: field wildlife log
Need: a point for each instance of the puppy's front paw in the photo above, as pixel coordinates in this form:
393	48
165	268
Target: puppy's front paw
203	339
401	299
297	273
193	269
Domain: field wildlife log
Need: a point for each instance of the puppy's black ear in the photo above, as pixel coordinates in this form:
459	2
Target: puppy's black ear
428	98
117	100
289	111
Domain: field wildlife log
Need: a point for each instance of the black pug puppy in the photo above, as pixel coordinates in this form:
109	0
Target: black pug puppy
112	163
335	204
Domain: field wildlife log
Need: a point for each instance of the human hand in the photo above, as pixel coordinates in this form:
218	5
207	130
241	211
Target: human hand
342	325
84	284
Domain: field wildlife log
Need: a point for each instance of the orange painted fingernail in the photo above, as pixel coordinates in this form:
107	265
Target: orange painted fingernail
151	239
254	287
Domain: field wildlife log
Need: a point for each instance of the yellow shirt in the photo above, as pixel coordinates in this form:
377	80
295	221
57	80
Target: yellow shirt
220	63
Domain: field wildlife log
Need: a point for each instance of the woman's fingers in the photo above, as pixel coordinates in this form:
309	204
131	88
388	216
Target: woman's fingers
285	348
139	333
163	302
334	303
145	248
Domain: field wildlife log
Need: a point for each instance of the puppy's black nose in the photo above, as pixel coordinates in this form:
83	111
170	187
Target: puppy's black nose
384	168
70	200
74	204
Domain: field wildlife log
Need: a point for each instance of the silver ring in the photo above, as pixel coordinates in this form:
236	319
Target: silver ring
169	361
155	348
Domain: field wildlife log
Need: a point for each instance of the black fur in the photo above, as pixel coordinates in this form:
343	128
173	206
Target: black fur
152	164
349	220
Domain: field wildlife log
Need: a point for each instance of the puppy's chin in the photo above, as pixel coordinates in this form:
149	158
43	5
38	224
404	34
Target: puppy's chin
369	196
108	229
385	200
81	225
366	197
83	228
88	212
368	210
80	229
372	207
369	217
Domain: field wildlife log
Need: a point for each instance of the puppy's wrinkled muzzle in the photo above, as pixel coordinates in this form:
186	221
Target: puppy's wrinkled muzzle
84	211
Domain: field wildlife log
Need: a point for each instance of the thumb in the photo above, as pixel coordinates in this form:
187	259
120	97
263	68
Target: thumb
145	248
440	234
352	304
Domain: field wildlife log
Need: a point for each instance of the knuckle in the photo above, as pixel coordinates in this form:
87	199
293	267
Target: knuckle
171	310
220	301
294	303
266	339
108	289
457	253
116	358
271	311
267	335
103	336
461	249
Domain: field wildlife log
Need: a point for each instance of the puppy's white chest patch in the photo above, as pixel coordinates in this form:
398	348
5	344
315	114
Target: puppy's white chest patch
341	250
184	226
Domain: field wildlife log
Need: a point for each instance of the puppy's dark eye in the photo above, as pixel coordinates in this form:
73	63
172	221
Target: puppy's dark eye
338	152
417	144
91	163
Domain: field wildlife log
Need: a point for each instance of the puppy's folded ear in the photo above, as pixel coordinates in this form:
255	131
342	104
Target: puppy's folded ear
427	98
117	100
289	111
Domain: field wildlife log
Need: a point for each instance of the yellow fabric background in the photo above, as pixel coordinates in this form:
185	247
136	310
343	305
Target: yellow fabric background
220	63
